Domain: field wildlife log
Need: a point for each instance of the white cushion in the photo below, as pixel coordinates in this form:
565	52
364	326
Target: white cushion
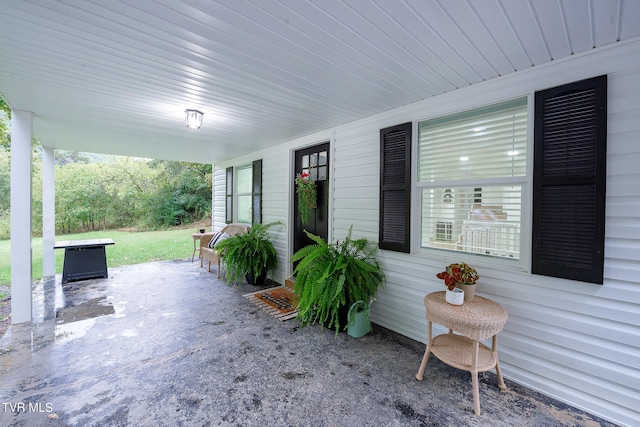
217	238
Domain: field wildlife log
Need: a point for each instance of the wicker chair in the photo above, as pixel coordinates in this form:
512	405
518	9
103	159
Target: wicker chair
210	254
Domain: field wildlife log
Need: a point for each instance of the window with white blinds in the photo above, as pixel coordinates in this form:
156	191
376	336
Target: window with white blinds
471	171
244	175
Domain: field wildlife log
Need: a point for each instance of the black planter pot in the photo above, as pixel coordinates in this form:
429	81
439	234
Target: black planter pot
256	280
343	315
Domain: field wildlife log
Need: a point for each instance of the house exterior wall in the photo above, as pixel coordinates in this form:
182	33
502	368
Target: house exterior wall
578	342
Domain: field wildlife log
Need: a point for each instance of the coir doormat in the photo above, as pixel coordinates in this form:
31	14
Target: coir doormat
278	302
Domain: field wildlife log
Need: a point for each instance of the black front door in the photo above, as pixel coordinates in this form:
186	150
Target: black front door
315	162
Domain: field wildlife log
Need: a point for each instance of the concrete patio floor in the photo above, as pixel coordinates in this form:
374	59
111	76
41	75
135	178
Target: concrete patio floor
167	344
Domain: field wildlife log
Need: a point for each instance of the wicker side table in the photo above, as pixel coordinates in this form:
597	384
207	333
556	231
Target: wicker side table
475	321
196	245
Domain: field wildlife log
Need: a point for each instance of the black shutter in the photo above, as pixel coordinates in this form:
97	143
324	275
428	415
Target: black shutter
569	181
256	192
228	216
395	188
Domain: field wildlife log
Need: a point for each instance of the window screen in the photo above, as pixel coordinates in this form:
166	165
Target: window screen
244	193
471	169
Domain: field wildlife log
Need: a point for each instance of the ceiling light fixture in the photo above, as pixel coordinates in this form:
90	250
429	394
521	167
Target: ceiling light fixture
193	119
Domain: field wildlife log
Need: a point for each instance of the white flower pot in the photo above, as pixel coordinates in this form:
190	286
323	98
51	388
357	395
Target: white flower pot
455	296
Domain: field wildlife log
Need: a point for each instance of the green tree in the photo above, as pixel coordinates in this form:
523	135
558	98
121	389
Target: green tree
130	182
5	169
131	192
82	200
5	187
5	177
64	157
5	134
36	196
183	195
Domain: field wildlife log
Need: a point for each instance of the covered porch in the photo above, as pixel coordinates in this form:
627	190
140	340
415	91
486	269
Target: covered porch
274	78
166	343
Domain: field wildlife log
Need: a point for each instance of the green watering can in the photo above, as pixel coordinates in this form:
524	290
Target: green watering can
358	322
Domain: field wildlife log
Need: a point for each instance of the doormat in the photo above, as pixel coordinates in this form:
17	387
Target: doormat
278	302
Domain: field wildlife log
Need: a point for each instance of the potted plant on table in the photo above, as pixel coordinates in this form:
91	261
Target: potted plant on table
249	255
330	278
461	276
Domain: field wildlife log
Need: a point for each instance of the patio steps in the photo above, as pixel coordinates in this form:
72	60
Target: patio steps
289	283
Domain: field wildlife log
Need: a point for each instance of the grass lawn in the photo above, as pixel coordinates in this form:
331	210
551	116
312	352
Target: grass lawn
130	248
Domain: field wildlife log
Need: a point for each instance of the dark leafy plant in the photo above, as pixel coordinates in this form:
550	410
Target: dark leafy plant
458	273
330	277
251	253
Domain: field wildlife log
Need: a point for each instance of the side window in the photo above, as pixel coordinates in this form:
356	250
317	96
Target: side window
244	193
569	181
256	195
228	199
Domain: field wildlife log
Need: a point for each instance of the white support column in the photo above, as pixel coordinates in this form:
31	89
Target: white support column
48	212
21	160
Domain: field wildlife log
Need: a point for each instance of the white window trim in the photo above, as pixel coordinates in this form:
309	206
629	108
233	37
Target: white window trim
237	194
523	264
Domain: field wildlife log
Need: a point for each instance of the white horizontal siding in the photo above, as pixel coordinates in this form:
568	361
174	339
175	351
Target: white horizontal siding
578	342
277	186
356	183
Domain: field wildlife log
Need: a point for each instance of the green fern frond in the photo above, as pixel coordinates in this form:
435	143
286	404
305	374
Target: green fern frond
332	276
250	252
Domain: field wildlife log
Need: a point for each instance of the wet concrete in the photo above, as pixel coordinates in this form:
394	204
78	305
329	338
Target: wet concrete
167	344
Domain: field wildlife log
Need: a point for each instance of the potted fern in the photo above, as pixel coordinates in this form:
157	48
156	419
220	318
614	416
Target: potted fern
332	277
249	255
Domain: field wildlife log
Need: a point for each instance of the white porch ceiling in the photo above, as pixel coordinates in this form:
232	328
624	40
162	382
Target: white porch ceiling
115	76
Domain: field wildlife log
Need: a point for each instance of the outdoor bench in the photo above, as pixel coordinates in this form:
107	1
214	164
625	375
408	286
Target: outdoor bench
208	251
